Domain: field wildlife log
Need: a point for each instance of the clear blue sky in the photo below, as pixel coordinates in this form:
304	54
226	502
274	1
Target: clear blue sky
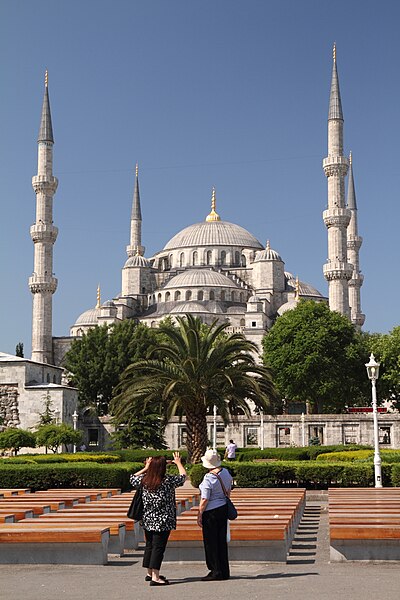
213	92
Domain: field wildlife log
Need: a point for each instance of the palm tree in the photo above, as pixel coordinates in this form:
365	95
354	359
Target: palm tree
198	367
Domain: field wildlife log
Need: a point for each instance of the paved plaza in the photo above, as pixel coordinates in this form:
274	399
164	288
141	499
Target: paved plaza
307	574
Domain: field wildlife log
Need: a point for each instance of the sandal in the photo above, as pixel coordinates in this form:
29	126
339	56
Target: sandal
148	578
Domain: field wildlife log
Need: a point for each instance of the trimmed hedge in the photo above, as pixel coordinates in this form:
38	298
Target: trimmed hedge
396	475
140	455
44	476
309	474
62	458
293	453
388	456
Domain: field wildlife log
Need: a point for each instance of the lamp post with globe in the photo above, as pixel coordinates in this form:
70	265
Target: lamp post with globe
373	374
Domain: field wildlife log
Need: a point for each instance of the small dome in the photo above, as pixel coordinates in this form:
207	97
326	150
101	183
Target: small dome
189	307
108	304
290	305
200	278
89	317
267	254
213	233
305	289
254	299
137	261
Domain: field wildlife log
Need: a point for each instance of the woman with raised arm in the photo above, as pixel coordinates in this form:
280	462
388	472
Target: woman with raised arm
159	510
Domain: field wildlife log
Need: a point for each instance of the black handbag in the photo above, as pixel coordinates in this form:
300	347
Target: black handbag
135	510
232	510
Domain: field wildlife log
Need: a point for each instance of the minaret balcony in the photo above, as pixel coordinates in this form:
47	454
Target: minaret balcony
44	184
354	242
337	269
336	217
335	165
356	280
42	284
44	232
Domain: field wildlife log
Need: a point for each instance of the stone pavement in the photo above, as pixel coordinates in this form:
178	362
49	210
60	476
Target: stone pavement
307	574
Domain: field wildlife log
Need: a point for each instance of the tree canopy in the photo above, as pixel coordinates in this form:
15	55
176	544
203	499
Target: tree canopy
317	357
198	367
96	360
14	439
52	436
386	348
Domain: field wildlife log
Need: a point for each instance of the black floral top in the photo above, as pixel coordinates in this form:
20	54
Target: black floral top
159	509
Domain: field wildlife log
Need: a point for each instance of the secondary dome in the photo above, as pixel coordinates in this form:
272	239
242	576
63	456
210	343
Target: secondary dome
267	254
305	289
200	277
89	317
189	307
137	261
213	233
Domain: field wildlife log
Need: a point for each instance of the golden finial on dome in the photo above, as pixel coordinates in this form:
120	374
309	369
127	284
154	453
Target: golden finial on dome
46	78
213	216
98	297
334	52
350	158
137	169
297	288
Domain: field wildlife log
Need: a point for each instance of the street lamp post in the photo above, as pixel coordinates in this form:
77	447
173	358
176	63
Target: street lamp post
262	429
373	374
303	433
75	421
215	428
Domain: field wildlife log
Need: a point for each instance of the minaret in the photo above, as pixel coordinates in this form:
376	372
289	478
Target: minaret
135	246
42	284
354	242
337	270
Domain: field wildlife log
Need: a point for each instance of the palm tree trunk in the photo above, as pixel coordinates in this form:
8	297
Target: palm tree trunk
197	435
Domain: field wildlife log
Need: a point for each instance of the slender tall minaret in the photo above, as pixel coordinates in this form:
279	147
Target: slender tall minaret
337	270
42	284
135	246
354	242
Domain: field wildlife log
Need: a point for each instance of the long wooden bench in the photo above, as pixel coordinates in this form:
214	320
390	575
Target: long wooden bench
364	524
84	545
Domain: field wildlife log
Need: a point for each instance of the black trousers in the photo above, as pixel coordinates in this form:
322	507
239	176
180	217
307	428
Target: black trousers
156	542
214	537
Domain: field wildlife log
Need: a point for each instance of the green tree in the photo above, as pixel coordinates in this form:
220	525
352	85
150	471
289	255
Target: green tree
52	436
317	357
14	439
198	368
142	432
97	359
19	350
47	416
386	348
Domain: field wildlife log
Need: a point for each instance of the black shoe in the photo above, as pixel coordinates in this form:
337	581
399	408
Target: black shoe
166	582
211	577
148	578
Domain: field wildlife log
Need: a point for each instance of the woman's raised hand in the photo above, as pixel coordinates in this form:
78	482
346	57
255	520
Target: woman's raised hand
147	462
177	458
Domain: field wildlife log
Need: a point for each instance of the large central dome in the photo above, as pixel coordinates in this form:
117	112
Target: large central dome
213	233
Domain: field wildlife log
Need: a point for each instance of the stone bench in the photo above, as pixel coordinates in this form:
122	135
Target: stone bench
52	545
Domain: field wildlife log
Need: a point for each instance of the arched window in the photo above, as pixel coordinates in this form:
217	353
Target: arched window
167	296
200	295
242	322
223	257
182	259
48	378
188	295
177	296
233	296
237	258
212	295
243	261
54	379
209	257
153	324
194	258
158	297
241	297
79	333
170	260
223	296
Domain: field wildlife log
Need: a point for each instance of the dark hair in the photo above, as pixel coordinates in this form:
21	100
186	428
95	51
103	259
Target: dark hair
231	441
155	473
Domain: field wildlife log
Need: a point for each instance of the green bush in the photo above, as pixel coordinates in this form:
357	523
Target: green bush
63	458
273	454
197	472
396	475
44	476
140	455
388	456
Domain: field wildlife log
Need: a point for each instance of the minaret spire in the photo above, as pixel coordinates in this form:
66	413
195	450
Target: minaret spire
354	242
337	270
42	283
135	245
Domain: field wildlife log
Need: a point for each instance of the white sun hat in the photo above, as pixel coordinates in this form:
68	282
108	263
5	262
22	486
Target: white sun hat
211	459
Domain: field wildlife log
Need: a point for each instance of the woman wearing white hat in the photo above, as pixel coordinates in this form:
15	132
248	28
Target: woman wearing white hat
213	515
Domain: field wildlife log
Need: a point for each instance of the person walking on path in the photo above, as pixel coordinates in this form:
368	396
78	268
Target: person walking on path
213	516
159	510
230	451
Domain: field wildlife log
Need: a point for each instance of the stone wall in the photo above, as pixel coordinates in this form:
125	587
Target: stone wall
9	414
